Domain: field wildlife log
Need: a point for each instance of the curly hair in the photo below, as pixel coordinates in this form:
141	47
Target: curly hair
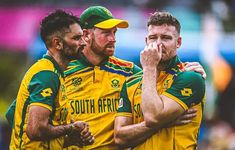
57	22
160	18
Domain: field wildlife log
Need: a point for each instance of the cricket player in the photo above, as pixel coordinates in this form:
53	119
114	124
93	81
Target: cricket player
160	94
94	81
37	114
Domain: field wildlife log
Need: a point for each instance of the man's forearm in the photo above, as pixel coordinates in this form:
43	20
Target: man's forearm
49	132
151	104
39	128
158	110
57	131
132	135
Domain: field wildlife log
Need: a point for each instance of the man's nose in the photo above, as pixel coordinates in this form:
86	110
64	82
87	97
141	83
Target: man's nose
112	38
159	41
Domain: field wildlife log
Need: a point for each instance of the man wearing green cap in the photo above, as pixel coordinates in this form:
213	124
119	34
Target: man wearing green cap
94	81
102	18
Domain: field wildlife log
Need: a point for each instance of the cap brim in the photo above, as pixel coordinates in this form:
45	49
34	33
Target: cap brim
111	23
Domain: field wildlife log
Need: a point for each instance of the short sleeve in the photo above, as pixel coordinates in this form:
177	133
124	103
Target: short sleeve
11	113
124	102
43	88
188	89
136	69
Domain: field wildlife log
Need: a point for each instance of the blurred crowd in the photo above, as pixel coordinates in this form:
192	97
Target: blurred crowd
210	21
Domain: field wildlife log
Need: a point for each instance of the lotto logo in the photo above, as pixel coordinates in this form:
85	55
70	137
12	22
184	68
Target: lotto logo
186	92
46	92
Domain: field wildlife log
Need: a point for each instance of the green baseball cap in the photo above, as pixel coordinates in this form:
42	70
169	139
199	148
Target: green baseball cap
100	17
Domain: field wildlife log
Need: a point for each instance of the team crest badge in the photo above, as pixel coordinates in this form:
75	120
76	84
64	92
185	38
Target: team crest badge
115	83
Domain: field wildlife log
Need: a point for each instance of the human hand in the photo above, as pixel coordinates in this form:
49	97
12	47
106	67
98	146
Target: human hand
186	117
195	66
86	136
78	126
80	134
151	55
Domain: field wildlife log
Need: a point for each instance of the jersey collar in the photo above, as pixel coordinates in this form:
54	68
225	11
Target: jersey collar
56	65
173	62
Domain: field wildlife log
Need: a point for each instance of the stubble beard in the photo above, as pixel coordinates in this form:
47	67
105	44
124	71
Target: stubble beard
99	50
66	52
164	62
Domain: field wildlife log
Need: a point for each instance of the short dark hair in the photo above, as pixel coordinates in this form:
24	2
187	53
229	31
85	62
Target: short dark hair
56	22
160	18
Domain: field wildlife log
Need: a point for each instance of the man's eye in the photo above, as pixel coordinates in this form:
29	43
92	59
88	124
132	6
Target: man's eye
152	38
167	37
77	38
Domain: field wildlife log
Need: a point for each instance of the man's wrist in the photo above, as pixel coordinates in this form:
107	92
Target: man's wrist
149	70
69	130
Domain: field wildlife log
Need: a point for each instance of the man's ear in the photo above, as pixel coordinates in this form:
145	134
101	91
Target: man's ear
57	43
179	42
86	35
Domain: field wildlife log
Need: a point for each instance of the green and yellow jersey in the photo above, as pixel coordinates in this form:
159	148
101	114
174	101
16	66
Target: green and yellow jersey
94	92
41	86
186	88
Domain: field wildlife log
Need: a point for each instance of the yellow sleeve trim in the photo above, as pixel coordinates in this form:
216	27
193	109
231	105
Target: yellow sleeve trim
43	105
176	99
125	114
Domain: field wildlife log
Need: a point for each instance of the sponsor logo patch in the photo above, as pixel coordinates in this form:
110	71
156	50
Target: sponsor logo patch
186	92
46	92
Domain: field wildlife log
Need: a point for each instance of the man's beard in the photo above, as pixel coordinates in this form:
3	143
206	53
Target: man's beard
99	50
94	47
72	55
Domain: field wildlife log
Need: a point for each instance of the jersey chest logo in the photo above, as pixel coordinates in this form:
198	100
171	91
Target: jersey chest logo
115	83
